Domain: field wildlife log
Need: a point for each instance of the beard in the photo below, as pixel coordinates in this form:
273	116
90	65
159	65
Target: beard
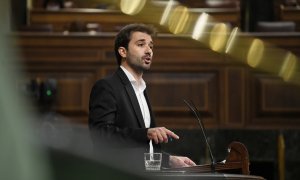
139	66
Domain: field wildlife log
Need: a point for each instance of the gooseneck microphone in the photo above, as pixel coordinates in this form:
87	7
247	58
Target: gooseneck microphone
196	113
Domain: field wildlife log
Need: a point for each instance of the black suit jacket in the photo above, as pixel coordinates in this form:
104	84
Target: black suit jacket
115	117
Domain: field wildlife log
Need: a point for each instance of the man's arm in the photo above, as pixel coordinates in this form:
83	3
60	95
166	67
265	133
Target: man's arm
103	117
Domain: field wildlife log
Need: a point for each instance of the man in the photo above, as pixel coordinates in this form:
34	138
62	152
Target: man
120	112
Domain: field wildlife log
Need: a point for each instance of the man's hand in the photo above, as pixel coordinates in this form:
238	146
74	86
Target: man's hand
180	161
160	134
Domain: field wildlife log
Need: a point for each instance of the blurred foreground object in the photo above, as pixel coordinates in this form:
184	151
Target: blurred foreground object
21	158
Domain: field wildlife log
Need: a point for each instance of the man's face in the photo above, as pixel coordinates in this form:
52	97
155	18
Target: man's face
139	53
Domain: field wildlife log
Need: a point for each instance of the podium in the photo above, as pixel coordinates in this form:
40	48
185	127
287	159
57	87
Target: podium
235	166
237	160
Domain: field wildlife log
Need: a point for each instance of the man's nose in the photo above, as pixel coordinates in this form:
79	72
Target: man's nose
149	50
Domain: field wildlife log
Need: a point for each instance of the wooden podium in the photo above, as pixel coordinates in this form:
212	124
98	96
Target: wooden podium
235	166
236	161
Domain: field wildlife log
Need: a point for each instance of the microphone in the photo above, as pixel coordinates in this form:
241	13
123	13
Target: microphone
196	113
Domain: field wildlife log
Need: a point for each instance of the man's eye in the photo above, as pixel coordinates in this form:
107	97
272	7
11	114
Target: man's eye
140	44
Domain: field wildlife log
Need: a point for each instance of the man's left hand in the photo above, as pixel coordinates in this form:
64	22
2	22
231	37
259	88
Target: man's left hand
180	161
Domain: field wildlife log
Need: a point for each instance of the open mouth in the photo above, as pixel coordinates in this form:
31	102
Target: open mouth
147	59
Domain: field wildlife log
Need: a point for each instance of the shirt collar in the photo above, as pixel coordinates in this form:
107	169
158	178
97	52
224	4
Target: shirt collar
139	86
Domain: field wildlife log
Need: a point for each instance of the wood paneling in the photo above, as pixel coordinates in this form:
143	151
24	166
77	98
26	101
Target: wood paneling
227	92
73	89
235	92
274	102
170	88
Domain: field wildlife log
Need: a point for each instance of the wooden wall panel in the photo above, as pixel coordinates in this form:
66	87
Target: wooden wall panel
73	89
192	55
274	102
73	93
235	96
168	89
62	54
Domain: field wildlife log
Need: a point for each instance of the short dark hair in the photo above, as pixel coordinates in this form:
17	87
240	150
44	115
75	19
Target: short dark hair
123	37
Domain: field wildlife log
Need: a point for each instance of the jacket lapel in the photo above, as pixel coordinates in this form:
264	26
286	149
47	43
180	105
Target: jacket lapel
152	124
132	97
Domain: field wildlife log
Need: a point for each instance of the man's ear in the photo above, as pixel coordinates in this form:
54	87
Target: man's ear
122	52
